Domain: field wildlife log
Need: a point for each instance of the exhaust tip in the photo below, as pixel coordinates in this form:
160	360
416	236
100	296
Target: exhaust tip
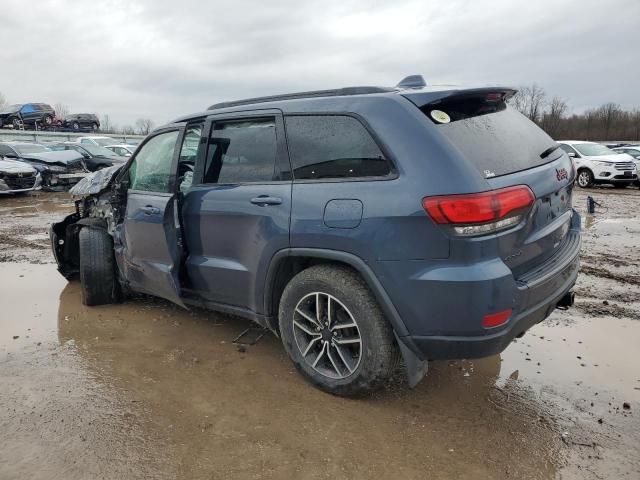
566	301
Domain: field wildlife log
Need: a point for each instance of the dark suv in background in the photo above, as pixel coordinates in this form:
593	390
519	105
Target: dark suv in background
359	225
80	121
29	114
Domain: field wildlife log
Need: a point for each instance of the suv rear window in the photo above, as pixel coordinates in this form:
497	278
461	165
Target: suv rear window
496	138
333	146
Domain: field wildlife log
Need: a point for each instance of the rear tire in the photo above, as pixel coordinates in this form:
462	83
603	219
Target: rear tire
585	178
16	123
94	127
98	282
76	126
349	361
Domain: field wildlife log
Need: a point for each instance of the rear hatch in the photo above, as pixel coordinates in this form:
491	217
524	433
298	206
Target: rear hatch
508	150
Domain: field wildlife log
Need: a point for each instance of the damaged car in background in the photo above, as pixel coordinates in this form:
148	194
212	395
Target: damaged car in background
17	177
58	170
95	157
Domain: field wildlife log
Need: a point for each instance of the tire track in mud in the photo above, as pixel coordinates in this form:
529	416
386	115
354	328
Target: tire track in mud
628	278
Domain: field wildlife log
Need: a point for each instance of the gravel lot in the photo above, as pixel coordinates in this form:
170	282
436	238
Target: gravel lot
147	390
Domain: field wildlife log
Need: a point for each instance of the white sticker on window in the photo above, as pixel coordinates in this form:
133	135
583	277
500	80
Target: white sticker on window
440	116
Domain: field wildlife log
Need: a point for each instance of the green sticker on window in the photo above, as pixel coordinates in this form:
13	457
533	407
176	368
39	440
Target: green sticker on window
440	116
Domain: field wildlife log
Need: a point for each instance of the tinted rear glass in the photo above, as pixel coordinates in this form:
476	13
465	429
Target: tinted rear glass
333	146
497	139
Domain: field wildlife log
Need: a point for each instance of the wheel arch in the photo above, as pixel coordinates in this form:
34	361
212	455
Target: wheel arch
286	263
585	169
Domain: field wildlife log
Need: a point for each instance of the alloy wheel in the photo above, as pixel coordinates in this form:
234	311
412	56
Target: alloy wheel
583	179
327	335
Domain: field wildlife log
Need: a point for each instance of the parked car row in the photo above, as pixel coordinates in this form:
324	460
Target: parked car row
598	164
55	166
43	116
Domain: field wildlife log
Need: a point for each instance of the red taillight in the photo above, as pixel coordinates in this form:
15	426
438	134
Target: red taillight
494	97
477	208
496	319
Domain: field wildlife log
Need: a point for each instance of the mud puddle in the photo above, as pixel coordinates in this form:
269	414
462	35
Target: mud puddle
146	390
24	225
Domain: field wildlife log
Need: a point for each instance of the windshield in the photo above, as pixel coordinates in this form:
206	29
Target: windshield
99	151
103	142
11	108
23	149
593	149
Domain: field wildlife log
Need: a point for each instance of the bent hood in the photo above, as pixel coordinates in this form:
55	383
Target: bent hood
67	158
95	182
14	166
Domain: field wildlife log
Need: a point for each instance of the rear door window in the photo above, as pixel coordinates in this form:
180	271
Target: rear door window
241	151
333	146
496	138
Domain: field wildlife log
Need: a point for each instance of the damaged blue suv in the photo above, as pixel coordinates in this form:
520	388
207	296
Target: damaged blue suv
363	226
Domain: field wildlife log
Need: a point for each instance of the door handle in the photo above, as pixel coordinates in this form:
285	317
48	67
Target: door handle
264	200
150	210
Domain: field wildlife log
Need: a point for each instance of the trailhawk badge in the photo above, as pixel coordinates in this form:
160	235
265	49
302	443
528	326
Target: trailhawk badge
561	174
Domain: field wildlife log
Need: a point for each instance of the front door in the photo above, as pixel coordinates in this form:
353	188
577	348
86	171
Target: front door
236	213
149	248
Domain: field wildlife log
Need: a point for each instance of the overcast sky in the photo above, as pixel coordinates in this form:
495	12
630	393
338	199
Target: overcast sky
164	58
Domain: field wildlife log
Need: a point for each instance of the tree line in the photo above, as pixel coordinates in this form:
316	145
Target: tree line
142	126
606	122
609	121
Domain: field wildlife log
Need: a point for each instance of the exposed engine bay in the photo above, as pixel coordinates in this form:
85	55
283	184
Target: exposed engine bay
100	202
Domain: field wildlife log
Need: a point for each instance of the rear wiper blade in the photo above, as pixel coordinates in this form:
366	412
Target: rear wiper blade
549	151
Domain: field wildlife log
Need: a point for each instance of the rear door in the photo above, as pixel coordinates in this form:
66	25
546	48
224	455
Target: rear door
236	214
149	247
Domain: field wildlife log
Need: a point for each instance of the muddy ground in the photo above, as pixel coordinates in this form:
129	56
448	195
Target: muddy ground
146	390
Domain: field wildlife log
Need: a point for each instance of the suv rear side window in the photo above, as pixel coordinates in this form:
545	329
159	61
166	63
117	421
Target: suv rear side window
498	141
241	151
333	146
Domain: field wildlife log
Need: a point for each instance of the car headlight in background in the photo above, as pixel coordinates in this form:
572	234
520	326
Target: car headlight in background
603	164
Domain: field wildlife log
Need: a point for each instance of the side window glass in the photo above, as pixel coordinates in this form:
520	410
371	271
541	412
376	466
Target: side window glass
333	146
241	151
568	149
188	153
150	171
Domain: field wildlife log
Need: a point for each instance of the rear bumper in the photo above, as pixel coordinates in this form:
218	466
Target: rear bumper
453	347
459	304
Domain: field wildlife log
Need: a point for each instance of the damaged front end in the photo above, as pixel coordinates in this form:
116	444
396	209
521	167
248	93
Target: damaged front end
98	201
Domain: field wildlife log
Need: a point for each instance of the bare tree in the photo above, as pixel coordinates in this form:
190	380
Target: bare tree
144	126
127	130
3	101
552	117
608	114
105	124
634	118
62	109
530	101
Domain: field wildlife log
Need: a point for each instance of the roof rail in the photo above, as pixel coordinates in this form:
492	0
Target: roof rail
311	94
